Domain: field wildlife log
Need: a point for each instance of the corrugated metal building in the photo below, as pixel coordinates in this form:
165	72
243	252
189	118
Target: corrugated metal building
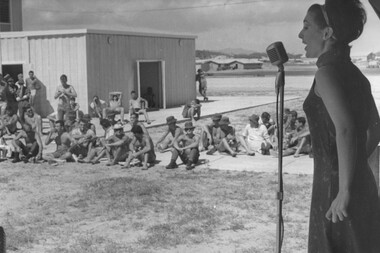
98	62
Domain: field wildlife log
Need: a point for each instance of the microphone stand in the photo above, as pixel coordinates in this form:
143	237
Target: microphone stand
280	83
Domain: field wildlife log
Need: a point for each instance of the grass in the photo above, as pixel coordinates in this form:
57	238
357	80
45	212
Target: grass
84	208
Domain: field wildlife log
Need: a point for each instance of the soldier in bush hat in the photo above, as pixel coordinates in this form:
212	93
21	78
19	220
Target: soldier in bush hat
166	140
186	147
208	132
225	138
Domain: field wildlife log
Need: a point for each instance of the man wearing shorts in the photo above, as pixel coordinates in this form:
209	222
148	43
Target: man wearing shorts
61	138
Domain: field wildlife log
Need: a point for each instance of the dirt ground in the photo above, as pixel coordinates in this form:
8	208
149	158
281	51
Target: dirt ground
95	208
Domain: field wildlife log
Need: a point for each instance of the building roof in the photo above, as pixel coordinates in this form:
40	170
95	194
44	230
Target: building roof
230	61
90	31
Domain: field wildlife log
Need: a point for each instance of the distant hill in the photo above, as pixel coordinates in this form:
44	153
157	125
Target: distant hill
208	54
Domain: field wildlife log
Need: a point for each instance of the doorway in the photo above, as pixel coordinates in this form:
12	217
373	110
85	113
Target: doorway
151	85
13	70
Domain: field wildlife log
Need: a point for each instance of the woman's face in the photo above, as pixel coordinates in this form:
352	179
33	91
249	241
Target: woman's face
312	36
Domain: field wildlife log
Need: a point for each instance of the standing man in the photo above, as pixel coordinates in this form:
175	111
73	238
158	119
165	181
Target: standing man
22	98
63	93
3	94
202	86
186	147
33	84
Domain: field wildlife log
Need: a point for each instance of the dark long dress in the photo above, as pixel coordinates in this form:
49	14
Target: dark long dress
361	232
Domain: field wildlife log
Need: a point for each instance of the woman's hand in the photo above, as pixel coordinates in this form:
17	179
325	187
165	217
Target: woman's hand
338	209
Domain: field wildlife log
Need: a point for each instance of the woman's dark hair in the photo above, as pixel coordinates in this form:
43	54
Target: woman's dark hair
345	17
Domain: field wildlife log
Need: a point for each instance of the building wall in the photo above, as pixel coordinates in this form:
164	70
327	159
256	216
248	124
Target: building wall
112	65
50	57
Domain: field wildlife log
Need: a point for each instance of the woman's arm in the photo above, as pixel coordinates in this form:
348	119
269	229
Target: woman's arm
373	131
329	88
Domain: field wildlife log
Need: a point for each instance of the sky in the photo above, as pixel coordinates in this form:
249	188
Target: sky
218	24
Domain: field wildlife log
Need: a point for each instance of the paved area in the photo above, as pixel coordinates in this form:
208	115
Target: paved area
257	163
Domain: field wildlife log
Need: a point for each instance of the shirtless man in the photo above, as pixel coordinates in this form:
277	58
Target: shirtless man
61	138
32	147
175	131
33	119
135	122
63	93
209	131
81	138
141	147
117	146
186	147
135	106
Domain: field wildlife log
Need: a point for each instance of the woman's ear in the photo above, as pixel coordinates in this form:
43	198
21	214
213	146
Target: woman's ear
328	33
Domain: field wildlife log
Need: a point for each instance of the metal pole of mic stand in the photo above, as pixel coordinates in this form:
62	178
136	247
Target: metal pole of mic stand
280	83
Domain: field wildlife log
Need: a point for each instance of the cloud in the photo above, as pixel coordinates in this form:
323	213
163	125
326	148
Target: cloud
217	23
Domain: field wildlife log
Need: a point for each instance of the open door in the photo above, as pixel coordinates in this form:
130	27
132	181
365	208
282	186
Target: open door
12	69
151	82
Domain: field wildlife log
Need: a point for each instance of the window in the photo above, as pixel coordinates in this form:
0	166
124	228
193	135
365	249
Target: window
5	11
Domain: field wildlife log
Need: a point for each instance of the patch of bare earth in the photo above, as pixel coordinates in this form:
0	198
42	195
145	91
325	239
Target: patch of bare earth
94	208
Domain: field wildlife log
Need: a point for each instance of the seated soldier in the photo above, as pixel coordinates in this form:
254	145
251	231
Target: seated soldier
299	143
8	123
61	138
81	141
33	119
268	122
5	149
98	152
192	110
255	137
135	122
166	140
97	105
136	106
225	139
32	147
114	105
73	109
117	146
208	132
186	147
141	147
111	118
87	118
149	96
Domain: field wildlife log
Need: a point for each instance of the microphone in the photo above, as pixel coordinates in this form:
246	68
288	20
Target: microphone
277	54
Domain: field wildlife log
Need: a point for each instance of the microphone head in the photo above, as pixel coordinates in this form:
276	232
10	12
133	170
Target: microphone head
277	54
